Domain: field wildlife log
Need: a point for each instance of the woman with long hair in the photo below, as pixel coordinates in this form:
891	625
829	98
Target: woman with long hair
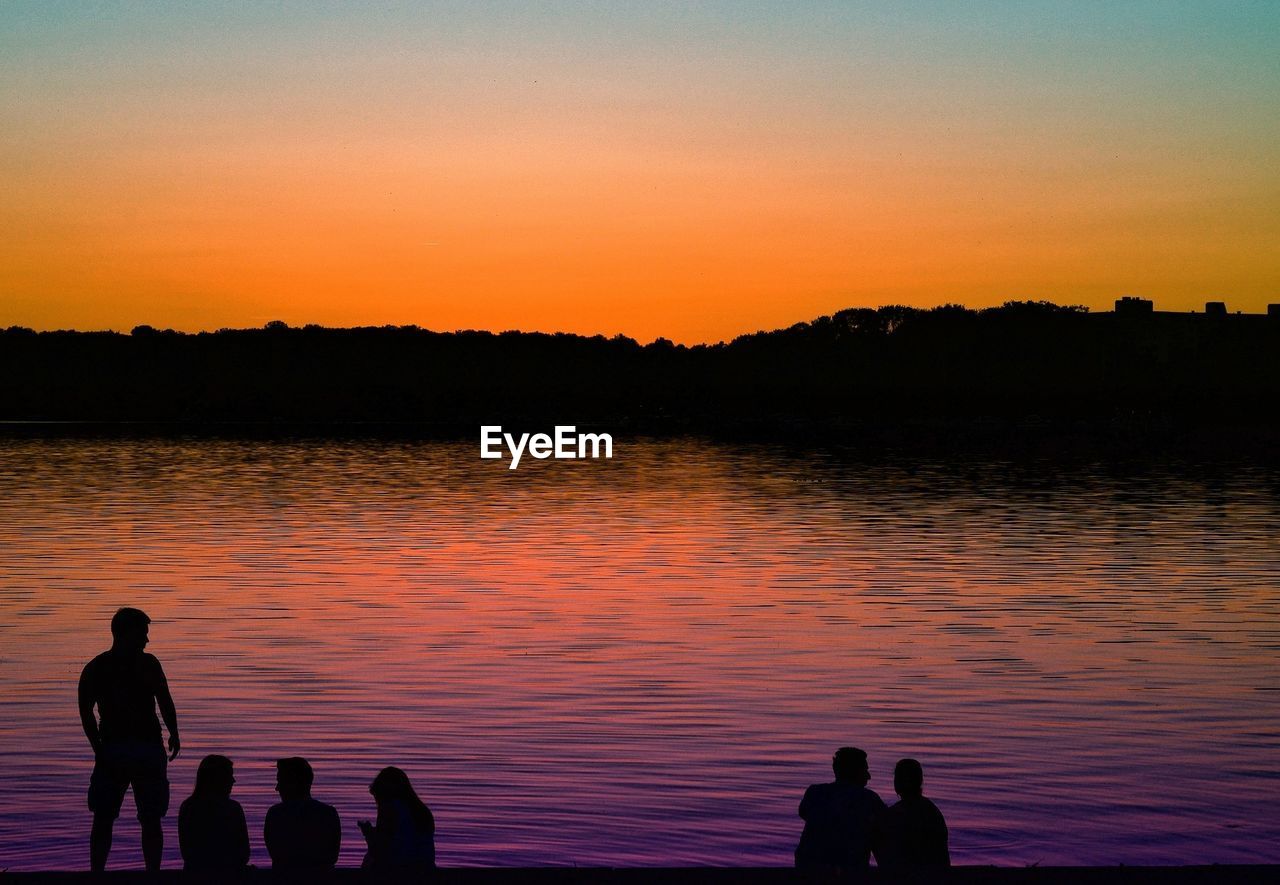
404	837
211	828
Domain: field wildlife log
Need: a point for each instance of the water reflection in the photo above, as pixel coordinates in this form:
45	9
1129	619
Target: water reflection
645	661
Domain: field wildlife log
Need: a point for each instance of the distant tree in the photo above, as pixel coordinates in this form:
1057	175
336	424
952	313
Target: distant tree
1035	308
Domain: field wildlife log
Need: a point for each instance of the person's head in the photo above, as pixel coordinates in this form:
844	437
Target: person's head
129	629
850	764
293	778
908	778
214	778
391	783
391	786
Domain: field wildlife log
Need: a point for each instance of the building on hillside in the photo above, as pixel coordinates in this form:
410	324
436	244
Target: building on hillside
1131	306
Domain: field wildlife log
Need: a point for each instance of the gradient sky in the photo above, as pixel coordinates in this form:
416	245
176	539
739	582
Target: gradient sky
689	170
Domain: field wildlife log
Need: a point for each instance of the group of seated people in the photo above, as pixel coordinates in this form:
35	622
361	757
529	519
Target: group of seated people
845	823
302	834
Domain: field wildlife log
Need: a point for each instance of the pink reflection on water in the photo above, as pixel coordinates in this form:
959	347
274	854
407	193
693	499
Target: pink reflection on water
645	661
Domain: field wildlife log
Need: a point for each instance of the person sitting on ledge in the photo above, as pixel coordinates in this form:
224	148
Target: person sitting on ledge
302	834
403	839
912	833
839	816
211	827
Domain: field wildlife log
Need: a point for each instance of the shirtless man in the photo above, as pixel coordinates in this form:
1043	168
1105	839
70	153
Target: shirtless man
126	684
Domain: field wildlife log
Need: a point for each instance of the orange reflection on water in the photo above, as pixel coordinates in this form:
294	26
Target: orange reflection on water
645	661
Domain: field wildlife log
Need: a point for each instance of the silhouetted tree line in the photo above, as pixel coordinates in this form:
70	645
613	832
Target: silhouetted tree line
1021	360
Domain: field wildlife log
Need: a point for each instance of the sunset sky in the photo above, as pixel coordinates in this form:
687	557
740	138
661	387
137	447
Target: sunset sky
692	170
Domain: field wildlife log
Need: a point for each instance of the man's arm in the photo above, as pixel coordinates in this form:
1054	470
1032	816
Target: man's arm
241	846
269	834
167	711
941	851
878	834
333	839
877	826
87	720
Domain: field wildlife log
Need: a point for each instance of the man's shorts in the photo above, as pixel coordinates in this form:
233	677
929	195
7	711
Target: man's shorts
140	764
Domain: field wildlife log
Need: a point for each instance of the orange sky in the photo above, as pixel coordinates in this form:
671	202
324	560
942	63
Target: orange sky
697	179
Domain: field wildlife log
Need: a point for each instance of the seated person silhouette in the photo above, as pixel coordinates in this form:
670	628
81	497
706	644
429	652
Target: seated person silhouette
302	834
211	827
912	833
839	816
403	839
126	685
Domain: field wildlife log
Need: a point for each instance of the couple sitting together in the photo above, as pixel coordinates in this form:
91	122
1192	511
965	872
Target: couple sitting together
845	823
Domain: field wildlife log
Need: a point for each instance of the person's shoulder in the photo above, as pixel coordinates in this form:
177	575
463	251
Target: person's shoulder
896	810
97	663
313	806
327	812
815	795
873	797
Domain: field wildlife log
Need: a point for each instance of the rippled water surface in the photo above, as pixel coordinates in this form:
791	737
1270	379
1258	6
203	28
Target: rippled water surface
645	661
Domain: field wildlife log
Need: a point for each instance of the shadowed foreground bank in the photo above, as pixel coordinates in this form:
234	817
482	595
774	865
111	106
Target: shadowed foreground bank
1198	875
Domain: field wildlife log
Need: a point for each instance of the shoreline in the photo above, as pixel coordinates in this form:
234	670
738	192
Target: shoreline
1135	436
1215	874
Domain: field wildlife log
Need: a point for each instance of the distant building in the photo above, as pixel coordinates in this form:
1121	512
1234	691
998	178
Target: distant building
1215	308
1131	306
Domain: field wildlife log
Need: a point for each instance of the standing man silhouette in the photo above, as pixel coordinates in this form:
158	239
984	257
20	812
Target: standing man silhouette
126	684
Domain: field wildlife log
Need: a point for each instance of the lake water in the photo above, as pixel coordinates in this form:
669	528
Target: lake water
646	661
